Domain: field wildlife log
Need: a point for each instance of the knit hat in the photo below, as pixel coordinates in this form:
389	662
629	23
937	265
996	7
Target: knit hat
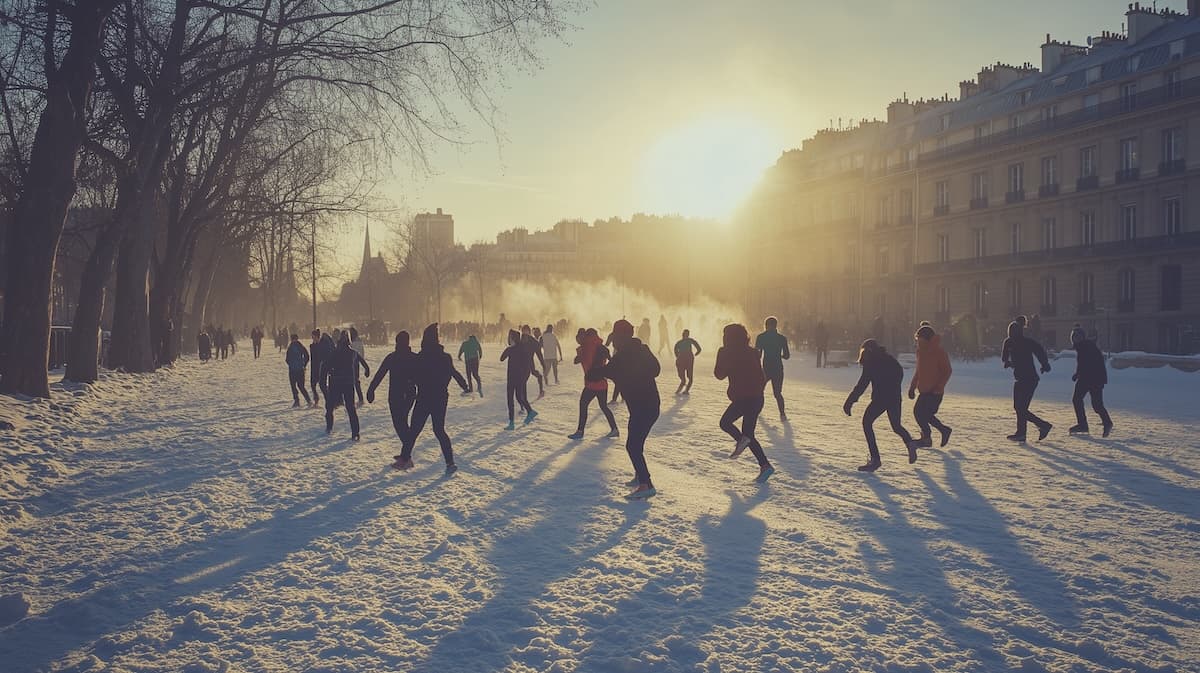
1077	334
868	346
622	328
926	331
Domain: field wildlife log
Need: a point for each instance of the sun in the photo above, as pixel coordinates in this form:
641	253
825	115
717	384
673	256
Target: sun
707	167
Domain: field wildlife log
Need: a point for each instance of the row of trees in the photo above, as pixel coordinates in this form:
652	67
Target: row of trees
197	127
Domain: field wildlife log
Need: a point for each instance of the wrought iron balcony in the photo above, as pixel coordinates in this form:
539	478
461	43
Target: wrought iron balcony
942	209
1014	197
979	203
1186	240
1128	175
1173	167
1046	191
1087	182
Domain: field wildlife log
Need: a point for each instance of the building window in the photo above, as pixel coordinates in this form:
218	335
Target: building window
1172	287
906	203
1087	161
880	305
981	293
1014	121
1049	113
941	142
1125	336
1087	227
979	185
906	259
1087	293
1173	79
1049	295
943	249
1129	154
1129	222
1126	290
885	210
943	299
1016	178
983	130
1129	95
1093	75
980	239
1014	237
942	193
884	262
1172	215
1172	144
945	122
1049	233
1049	171
1091	101
1014	295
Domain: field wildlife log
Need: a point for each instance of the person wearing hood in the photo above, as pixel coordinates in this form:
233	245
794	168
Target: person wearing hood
517	384
359	347
471	351
551	351
739	362
1021	352
634	369
593	354
297	361
432	370
204	346
929	378
686	350
321	350
402	389
533	349
337	380
884	374
774	349
1005	355
1090	378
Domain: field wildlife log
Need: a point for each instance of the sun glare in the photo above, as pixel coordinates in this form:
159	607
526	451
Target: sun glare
707	167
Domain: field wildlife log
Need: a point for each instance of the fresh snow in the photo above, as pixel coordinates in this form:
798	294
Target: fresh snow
192	521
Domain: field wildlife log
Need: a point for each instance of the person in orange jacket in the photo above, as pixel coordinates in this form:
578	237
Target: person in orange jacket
930	378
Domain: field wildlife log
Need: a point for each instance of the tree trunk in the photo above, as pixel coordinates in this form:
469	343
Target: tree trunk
41	209
83	349
131	348
200	299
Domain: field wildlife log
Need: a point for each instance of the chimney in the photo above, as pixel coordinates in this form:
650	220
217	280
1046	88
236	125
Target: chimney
900	110
1055	53
439	211
1142	21
967	88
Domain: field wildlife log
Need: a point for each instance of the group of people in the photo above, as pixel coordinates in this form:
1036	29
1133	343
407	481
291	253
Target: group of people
215	342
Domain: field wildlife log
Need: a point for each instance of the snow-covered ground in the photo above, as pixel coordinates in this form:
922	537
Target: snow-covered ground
192	521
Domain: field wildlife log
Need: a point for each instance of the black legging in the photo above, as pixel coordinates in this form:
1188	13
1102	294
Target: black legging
925	411
585	400
473	373
876	409
401	408
341	393
748	410
1097	393
1022	397
296	381
684	368
358	389
433	410
519	390
538	375
314	377
641	419
776	379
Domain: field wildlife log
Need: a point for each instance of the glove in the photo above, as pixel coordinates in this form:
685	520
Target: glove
912	395
371	397
1074	377
847	407
1046	369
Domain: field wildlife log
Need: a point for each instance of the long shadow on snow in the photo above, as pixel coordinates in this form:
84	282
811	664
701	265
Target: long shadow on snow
529	560
187	570
657	623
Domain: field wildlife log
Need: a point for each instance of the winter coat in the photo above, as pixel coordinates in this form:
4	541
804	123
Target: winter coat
741	365
884	374
686	350
341	367
774	348
519	364
533	349
1089	364
1021	353
360	348
933	367
593	354
399	363
297	357
432	370
551	350
470	349
633	369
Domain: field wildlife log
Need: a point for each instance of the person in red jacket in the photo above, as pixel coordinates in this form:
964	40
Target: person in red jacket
592	354
930	377
739	362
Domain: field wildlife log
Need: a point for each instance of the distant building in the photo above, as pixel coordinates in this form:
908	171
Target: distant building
434	230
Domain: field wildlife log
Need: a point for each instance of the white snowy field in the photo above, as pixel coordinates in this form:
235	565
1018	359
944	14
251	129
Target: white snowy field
192	521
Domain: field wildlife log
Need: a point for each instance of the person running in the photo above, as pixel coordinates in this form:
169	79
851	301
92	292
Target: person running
256	338
686	350
297	360
432	370
204	346
774	349
337	379
1021	352
1005	355
634	368
643	332
471	351
821	343
930	377
739	362
359	347
1090	378
608	343
593	354
519	364
402	389
664	335
551	351
533	349
884	374
316	353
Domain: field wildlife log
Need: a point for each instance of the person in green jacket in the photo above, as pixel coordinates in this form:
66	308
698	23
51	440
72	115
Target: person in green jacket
471	351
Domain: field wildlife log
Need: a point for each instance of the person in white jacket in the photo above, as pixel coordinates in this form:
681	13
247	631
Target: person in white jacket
551	351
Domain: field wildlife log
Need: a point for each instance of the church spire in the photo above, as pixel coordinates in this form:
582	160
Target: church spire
366	248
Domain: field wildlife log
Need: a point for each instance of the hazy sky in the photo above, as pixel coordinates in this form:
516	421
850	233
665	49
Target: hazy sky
677	106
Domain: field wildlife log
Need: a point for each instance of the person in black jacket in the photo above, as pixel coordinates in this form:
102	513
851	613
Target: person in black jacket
1090	378
402	390
338	371
633	368
884	374
520	363
1021	351
297	361
432	370
316	352
533	349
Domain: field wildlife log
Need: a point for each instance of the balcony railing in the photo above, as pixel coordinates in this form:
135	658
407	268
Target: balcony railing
1128	175
979	203
1046	191
940	210
1173	167
1014	197
1049	310
1187	240
1144	100
1087	182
